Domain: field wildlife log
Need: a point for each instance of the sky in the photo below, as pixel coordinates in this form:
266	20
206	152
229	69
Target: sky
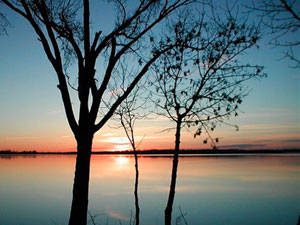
32	115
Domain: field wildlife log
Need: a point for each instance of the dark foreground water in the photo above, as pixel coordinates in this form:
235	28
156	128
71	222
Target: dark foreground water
211	190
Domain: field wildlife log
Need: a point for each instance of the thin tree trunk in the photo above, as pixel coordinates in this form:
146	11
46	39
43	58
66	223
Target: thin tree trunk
137	208
79	206
168	210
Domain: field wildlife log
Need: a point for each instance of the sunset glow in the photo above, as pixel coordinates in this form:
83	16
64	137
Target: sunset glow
116	140
121	147
149	112
269	116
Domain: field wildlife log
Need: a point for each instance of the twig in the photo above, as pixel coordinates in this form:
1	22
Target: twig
183	216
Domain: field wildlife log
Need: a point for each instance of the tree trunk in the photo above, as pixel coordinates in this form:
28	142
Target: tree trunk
168	210
79	206
137	208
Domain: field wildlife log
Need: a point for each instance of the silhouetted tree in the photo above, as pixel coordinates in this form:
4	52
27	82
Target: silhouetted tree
131	110
65	37
199	82
281	18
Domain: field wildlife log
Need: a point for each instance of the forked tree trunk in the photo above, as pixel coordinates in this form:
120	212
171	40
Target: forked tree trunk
168	210
79	206
136	197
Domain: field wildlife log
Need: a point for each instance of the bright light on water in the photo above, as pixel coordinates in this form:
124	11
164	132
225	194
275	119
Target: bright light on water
121	160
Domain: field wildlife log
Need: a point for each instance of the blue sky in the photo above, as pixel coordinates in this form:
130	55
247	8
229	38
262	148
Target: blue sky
32	115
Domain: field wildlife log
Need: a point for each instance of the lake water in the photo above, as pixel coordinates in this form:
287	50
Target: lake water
211	190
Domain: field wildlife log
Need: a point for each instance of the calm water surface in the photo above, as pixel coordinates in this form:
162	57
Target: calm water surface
211	190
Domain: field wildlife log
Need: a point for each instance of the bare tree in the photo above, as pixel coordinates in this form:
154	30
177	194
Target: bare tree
199	82
281	18
131	110
65	36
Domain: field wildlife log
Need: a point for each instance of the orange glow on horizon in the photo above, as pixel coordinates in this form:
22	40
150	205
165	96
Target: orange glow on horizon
118	142
122	147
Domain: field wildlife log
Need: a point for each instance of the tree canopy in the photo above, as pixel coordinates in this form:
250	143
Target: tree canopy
200	82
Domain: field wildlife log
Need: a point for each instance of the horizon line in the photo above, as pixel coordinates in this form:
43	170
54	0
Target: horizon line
160	151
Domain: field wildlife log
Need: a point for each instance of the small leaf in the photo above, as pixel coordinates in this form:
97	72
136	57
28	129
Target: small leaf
140	62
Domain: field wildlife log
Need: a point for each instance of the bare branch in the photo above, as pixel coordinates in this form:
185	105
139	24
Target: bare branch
281	18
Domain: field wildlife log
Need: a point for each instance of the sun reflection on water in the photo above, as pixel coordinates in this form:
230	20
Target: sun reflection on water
121	160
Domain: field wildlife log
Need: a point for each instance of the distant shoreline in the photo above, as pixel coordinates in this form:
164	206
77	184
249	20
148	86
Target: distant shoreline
163	152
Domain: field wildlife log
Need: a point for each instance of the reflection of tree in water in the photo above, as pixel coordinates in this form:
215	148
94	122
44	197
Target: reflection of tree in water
136	198
8	157
14	156
168	209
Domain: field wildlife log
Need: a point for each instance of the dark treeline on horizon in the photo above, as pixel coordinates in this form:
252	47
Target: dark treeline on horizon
165	151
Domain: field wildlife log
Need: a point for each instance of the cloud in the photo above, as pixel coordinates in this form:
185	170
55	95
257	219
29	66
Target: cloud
106	134
270	113
117	215
22	137
243	146
116	140
293	140
123	139
267	126
65	136
55	111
